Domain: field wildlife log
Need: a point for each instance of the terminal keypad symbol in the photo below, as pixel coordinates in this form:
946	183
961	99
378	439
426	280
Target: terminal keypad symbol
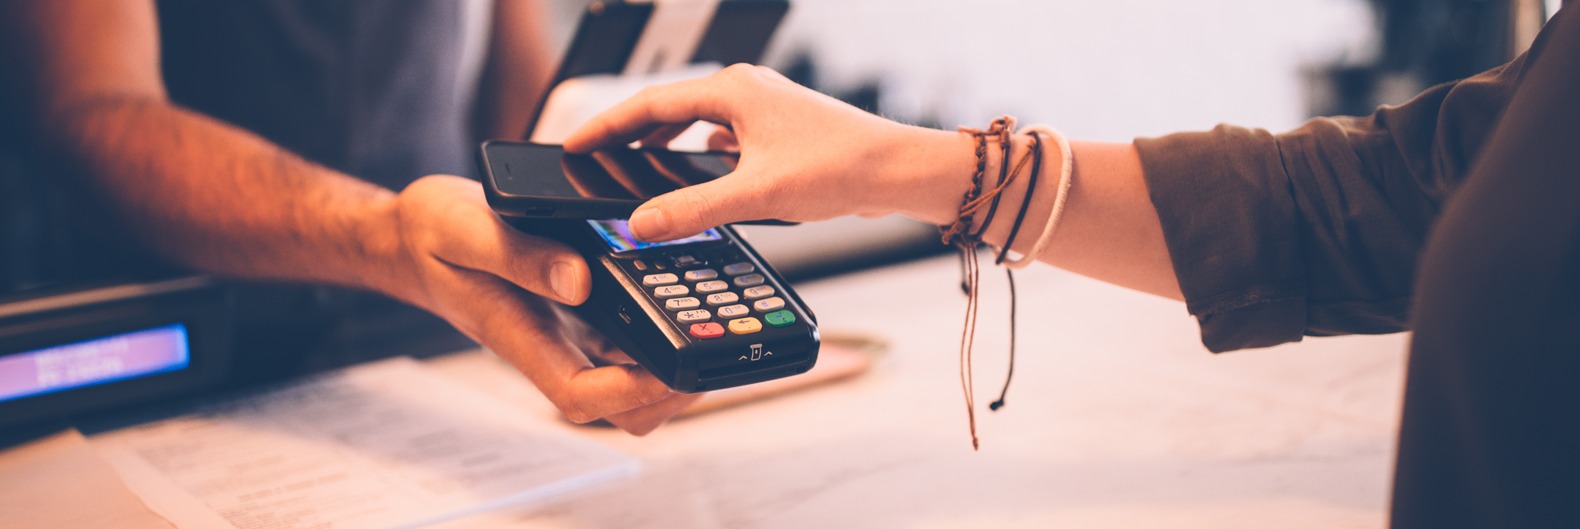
756	354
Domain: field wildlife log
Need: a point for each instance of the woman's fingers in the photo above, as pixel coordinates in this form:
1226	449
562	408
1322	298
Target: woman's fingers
693	209
804	155
650	110
723	139
716	98
661	136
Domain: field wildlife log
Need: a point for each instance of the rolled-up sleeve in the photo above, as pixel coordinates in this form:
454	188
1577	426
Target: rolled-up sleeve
1315	231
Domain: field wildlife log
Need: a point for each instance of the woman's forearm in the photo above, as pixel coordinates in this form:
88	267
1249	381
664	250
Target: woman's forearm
806	156
1109	229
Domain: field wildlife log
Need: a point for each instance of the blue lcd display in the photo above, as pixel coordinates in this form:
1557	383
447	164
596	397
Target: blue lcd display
617	233
92	362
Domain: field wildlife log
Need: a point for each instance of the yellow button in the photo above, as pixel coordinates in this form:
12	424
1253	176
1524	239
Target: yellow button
745	325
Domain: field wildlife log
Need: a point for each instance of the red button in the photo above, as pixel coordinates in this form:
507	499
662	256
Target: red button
707	330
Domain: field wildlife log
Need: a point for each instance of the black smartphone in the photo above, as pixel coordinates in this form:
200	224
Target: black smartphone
701	313
544	181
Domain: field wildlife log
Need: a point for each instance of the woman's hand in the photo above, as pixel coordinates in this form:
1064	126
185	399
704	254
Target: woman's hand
804	156
456	259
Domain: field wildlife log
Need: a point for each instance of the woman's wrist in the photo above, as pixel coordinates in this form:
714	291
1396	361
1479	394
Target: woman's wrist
930	174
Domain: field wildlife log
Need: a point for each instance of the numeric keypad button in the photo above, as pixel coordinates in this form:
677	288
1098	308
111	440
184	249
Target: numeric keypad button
739	268
693	316
758	292
654	280
722	298
732	311
670	291
769	304
682	303
749	280
702	274
707	287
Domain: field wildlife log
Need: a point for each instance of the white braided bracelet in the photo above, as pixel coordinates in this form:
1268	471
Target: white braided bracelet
1066	167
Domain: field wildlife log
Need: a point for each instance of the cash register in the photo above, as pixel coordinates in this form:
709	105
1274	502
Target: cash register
71	352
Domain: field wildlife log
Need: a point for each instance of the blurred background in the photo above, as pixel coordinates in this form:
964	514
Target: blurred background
1110	70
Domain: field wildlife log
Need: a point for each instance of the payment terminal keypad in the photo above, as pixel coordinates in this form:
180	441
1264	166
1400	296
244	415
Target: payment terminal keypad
712	294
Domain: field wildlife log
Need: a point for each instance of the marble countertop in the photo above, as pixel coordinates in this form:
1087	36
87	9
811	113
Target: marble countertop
1118	417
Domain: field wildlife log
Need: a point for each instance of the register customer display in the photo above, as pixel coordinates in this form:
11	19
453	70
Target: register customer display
67	353
1452	215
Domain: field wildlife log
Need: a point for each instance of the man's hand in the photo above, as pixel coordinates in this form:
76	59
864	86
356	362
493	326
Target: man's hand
457	259
212	197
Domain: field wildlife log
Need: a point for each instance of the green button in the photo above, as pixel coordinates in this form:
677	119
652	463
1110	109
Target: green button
780	318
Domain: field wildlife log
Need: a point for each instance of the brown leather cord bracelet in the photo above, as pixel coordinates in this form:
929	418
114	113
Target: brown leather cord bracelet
1005	139
961	235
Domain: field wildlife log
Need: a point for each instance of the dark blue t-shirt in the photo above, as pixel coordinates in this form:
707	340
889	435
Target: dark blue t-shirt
380	90
373	89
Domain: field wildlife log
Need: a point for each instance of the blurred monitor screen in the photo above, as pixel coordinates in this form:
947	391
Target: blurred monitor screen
92	362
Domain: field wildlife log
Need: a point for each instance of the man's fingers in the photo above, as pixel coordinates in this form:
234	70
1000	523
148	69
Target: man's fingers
477	271
447	218
547	268
600	392
644	420
542	266
690	210
607	354
530	335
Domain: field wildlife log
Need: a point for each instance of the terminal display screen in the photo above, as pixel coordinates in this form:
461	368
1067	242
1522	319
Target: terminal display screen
617	233
92	362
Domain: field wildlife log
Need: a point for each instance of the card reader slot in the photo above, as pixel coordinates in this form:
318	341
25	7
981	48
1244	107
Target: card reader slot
738	375
732	366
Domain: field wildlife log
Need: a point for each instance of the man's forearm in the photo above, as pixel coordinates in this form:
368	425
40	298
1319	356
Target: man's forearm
517	70
211	196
